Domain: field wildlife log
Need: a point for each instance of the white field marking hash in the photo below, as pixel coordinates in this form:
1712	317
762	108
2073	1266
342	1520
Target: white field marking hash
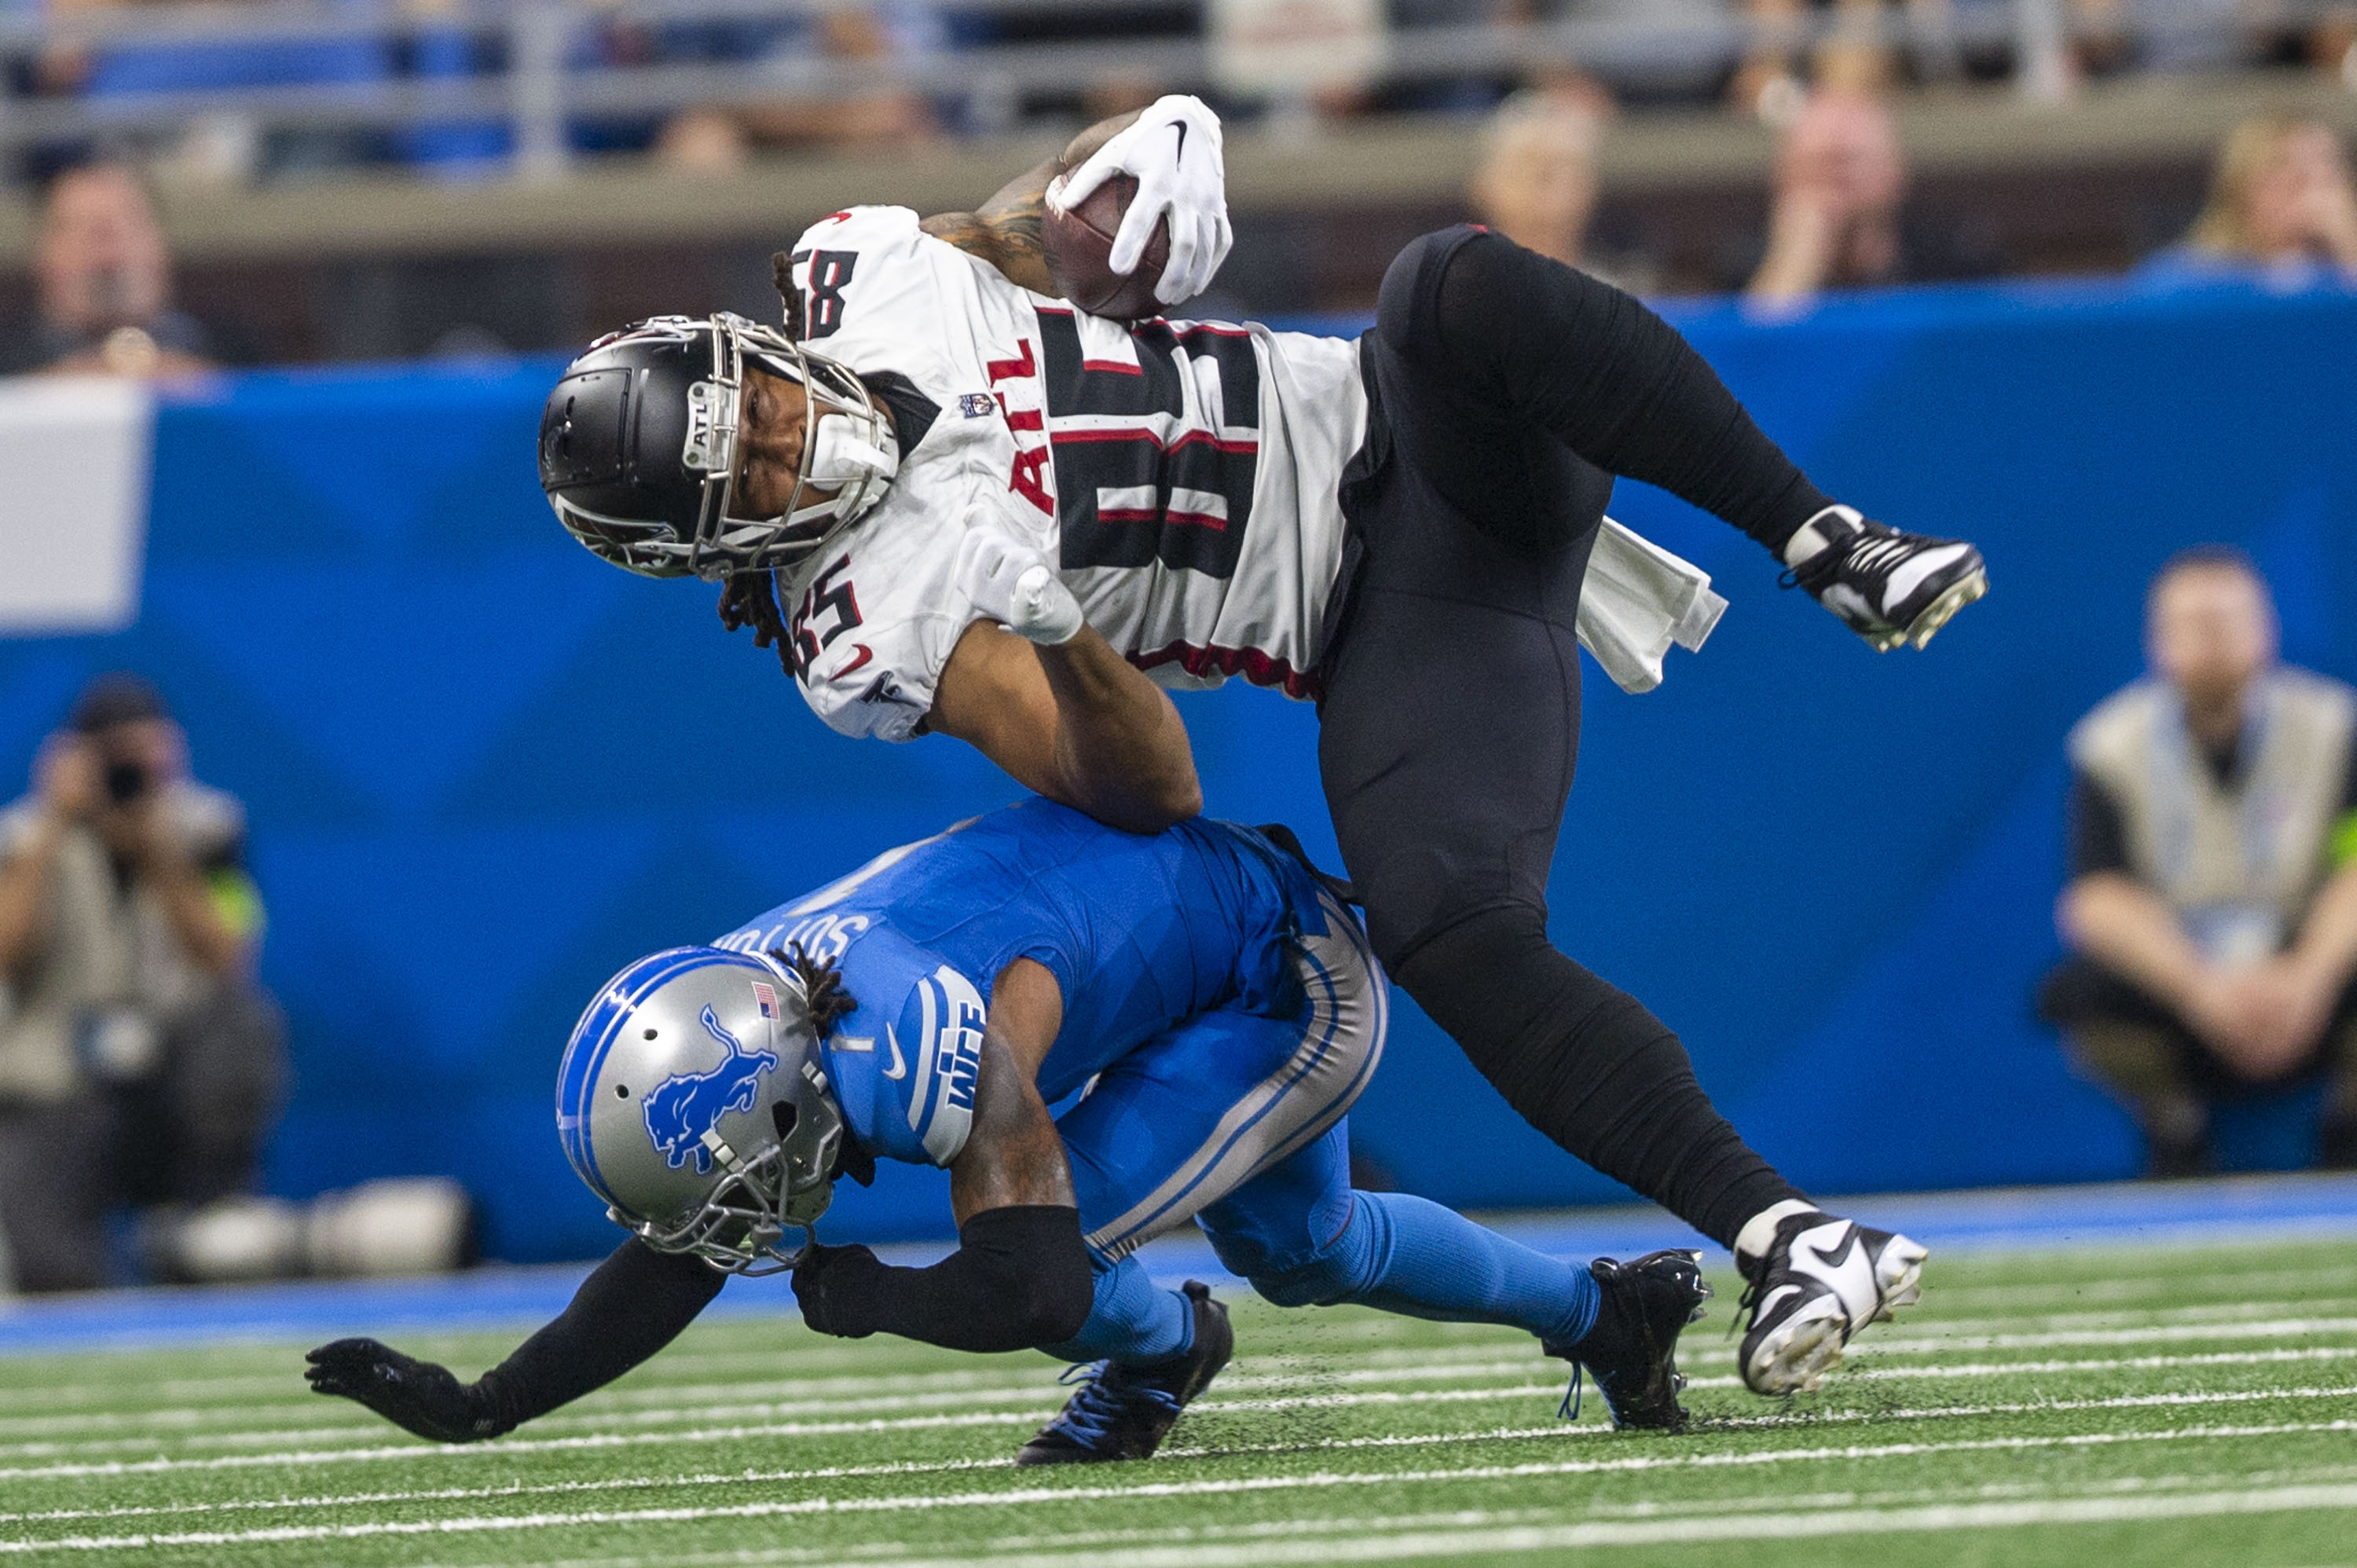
1813	1525
1863	1367
1942	1334
1326	1525
1594	1466
1365	1398
1753	1526
1003	1418
188	1419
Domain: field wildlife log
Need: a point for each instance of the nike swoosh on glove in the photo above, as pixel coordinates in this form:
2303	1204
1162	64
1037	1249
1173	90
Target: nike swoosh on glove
1173	153
1013	584
425	1398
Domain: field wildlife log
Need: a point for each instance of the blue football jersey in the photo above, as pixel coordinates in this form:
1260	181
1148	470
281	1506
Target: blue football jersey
1141	933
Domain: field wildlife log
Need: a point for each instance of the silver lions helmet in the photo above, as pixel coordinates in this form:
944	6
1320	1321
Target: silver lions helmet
691	1099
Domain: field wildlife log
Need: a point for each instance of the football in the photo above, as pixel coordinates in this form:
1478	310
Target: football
1079	245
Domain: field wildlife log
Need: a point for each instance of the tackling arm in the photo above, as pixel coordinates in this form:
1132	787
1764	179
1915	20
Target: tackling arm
631	1306
1021	1276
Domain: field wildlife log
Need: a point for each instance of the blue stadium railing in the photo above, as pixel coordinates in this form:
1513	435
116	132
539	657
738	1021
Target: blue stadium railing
485	770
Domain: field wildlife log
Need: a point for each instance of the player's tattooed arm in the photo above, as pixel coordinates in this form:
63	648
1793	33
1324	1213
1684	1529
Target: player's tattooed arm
1013	1154
1005	229
1077	723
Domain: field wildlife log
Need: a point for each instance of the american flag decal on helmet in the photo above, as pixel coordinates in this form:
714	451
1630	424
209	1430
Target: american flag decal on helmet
767	996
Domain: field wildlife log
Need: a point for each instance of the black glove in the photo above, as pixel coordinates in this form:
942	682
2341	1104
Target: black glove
845	1277
419	1395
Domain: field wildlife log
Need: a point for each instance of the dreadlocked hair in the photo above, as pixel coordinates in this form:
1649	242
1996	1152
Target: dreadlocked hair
821	986
751	599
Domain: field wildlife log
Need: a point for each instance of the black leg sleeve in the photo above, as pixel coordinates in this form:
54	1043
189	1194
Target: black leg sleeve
1587	1064
1595	368
633	1304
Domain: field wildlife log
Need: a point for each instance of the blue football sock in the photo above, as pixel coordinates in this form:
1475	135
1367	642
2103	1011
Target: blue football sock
1133	1320
1426	1260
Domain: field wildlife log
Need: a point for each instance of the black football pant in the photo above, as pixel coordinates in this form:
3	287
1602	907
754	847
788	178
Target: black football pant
1507	391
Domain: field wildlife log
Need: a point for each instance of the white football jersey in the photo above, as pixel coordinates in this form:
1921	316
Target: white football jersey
1184	476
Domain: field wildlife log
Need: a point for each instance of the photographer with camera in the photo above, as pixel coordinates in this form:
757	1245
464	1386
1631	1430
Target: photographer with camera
139	1061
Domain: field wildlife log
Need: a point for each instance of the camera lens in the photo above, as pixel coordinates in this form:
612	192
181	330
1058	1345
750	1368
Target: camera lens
126	782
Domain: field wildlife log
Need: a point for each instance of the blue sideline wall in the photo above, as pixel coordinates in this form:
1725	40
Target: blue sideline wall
485	770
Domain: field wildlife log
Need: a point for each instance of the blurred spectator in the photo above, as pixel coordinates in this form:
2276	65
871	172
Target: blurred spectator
226	147
1870	45
882	116
139	1061
2211	906
1836	216
2281	213
103	285
1852	57
1537	182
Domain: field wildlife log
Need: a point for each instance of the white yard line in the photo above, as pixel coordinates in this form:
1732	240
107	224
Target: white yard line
968	1500
2283	1497
1459	1518
13	1397
1865	1365
1816	1524
1025	1417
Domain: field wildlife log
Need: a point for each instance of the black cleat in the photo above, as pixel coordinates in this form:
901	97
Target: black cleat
1631	1350
1820	1280
1888	587
1123	1410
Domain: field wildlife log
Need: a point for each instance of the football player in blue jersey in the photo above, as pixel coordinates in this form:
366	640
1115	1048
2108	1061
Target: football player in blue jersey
1211	1008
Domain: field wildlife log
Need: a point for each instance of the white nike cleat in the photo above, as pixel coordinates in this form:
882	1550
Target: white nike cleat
1893	589
1819	1281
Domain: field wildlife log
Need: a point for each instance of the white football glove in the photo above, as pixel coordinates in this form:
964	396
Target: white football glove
1173	152
1013	585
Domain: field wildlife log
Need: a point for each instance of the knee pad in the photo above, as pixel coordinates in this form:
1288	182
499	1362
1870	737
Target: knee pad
1323	1282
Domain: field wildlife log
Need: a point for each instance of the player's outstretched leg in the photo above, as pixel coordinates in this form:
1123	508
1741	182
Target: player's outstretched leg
1617	385
1125	1406
1304	1238
1812	1281
1891	588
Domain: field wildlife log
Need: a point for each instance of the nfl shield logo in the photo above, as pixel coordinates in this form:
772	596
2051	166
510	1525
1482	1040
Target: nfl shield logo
767	997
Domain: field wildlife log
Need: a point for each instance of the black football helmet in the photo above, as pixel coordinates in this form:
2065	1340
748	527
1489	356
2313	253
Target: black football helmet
638	448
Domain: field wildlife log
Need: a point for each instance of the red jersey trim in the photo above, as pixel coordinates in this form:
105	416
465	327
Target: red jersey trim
1251	663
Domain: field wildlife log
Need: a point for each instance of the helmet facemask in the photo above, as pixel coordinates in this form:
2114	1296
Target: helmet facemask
740	1226
848	456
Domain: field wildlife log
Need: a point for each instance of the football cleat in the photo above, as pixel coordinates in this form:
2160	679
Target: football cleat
1631	1348
1888	587
1819	1282
1123	1410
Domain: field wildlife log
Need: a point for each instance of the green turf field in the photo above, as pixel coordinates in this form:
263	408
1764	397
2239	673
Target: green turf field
2111	1406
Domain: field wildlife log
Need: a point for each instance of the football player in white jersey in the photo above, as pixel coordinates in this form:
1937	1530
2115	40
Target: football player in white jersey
957	504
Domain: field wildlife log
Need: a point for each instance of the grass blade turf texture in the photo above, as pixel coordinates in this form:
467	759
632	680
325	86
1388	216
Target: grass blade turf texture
2147	1405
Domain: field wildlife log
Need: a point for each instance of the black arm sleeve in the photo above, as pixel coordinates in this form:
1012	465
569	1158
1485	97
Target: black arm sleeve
1019	1279
1614	382
2097	837
631	1306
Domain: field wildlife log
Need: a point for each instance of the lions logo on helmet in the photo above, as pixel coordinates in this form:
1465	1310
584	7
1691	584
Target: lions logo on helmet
691	1099
686	1107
